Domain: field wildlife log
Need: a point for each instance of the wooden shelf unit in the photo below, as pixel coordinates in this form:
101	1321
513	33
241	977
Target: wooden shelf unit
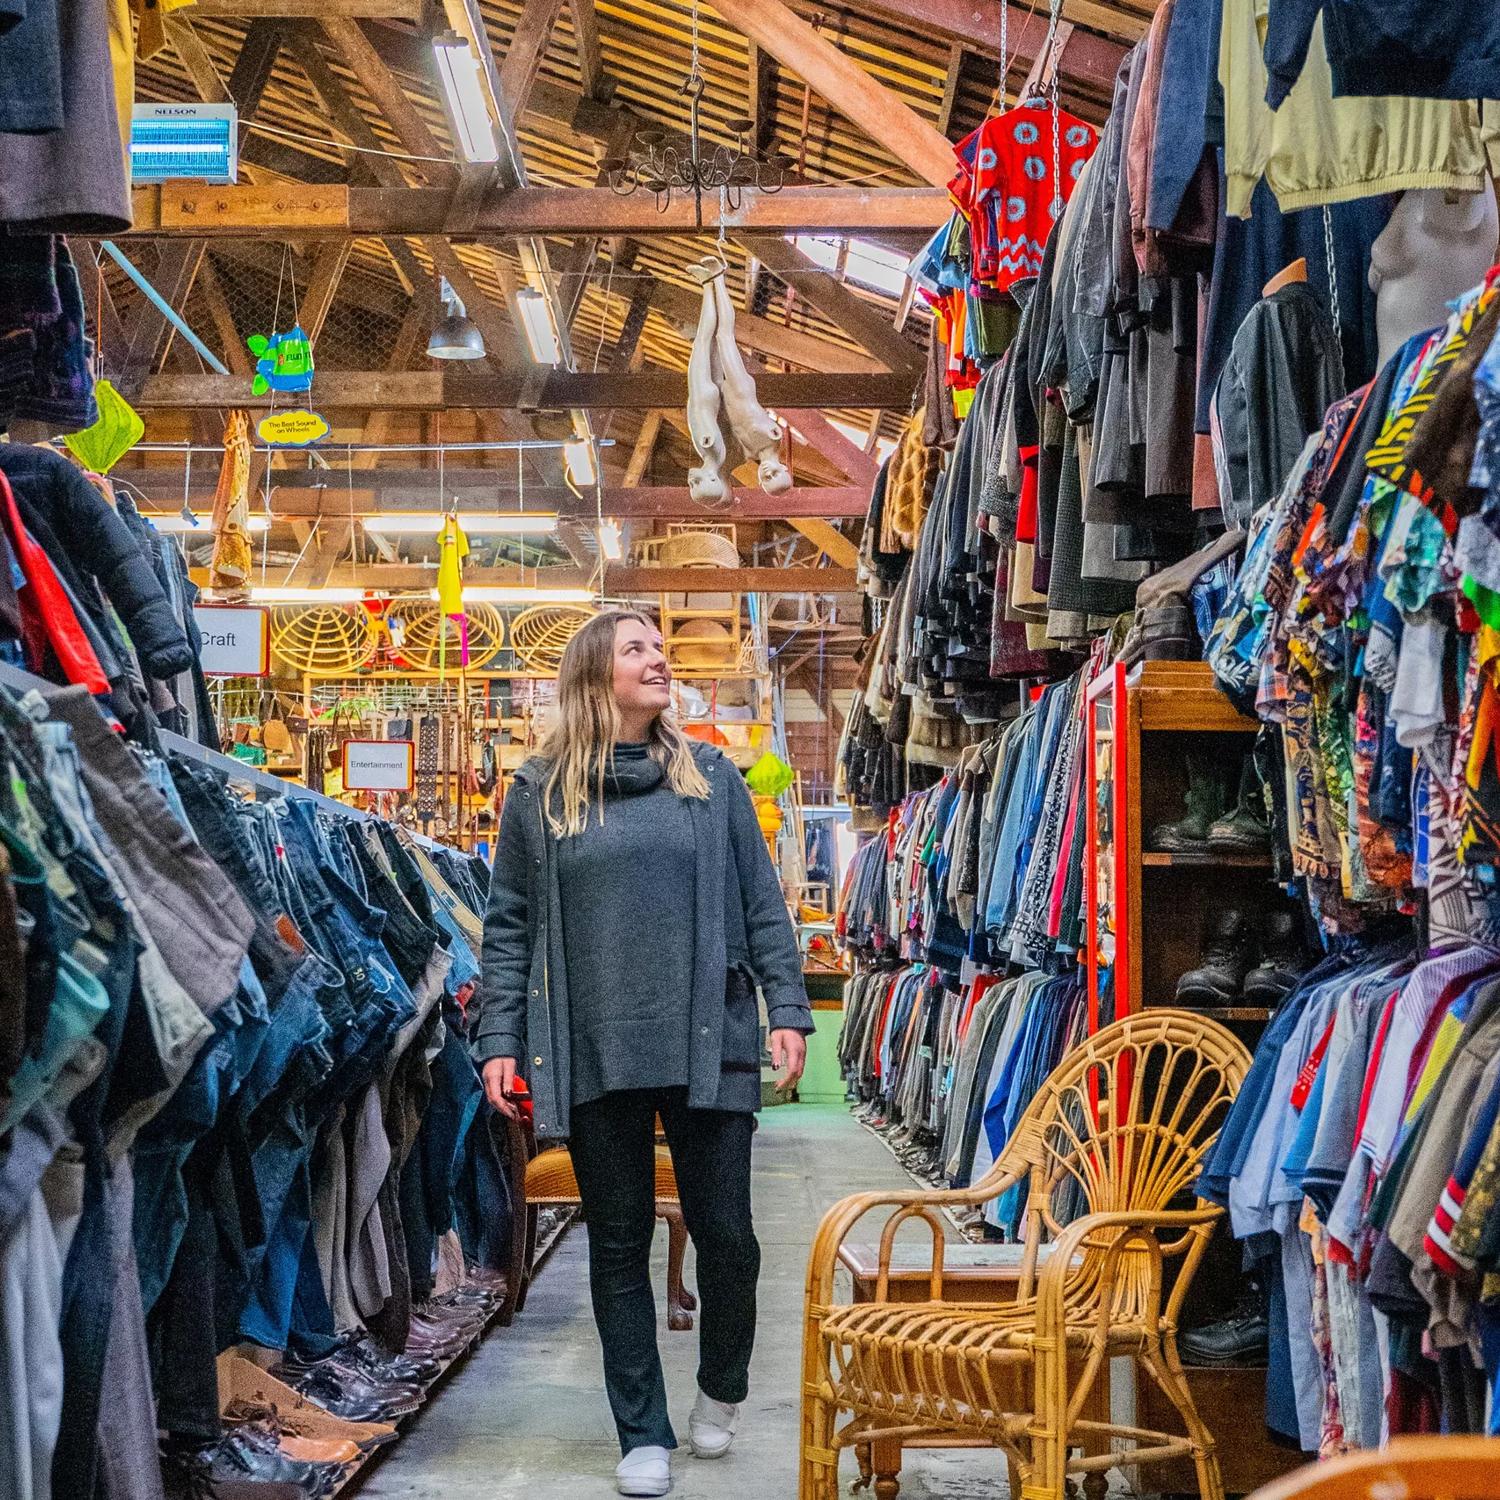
1147	913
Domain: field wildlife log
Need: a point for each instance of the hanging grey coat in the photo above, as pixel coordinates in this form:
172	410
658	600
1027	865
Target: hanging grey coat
523	997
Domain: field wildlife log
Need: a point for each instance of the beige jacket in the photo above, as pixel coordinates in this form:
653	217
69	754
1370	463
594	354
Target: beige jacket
1317	149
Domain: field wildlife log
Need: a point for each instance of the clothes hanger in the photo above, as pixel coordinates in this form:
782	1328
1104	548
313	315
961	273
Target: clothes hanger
1289	275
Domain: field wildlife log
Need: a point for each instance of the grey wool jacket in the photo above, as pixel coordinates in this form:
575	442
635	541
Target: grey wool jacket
742	926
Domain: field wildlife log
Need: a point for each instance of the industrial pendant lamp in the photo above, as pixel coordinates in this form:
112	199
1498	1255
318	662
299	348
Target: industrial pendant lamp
455	337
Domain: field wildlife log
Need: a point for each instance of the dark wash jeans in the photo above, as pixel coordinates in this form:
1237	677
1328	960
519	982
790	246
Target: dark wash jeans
613	1149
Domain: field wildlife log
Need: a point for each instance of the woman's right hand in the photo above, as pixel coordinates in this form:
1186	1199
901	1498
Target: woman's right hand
499	1075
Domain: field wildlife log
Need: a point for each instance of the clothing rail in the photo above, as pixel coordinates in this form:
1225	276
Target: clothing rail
235	770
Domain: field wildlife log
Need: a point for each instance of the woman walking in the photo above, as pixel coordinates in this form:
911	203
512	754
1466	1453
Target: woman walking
633	908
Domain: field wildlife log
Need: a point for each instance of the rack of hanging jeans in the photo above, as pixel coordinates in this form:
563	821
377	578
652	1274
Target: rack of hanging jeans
236	1107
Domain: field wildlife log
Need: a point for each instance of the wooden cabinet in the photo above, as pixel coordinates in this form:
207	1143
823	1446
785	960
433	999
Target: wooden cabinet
1148	913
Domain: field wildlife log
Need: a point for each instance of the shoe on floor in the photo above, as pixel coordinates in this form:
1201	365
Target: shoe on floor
644	1471
711	1426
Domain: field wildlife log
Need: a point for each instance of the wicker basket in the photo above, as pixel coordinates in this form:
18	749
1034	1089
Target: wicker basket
699	549
540	635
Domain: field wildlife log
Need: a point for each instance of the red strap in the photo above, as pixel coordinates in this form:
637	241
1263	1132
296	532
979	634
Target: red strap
1308	1076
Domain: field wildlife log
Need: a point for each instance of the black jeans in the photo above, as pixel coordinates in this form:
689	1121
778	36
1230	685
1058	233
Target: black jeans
613	1156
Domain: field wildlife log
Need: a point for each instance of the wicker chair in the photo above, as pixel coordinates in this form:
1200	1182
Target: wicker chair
550	1180
1411	1468
1116	1133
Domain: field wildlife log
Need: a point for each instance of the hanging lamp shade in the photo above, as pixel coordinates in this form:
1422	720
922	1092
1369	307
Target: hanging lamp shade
455	337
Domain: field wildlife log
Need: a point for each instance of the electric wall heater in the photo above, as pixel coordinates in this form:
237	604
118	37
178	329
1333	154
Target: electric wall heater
197	141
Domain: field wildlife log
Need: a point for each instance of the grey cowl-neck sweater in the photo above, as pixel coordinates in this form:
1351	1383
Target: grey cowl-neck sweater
628	921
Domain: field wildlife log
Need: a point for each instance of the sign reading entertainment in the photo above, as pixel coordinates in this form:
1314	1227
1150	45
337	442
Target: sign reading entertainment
378	765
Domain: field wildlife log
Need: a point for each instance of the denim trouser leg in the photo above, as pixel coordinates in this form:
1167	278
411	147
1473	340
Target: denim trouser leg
613	1149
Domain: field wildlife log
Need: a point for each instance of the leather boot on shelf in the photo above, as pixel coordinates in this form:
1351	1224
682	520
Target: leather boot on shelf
1243	829
1220	978
1283	961
1204	801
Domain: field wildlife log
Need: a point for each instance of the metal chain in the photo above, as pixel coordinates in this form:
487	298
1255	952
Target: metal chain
1004	51
1333	293
695	37
1054	16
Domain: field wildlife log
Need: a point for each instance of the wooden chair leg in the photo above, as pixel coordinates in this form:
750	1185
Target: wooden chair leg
1165	1369
680	1303
866	1467
885	1459
819	1478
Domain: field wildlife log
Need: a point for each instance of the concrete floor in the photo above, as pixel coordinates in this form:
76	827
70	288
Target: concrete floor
526	1416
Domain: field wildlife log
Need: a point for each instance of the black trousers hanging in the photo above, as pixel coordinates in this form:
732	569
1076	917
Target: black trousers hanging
612	1145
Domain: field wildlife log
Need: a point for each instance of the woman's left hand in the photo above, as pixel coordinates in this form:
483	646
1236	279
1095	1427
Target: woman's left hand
789	1053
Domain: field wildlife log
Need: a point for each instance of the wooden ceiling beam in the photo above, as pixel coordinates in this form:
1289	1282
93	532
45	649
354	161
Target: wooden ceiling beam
618	580
523	58
1091	60
253	66
635	321
231	340
377	80
147	333
591	73
864	321
837	77
318	297
320	211
828	539
239	10
765	74
374	491
763	336
645	446
528	390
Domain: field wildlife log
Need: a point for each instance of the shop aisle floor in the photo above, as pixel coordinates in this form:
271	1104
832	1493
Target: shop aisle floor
526	1416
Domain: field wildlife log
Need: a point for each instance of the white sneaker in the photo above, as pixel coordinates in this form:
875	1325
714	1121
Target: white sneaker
644	1471
711	1426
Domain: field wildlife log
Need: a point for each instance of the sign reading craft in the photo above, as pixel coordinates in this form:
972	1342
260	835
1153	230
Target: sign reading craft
379	765
234	640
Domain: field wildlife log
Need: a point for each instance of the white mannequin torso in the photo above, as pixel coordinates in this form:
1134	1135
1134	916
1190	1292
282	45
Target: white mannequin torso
1437	246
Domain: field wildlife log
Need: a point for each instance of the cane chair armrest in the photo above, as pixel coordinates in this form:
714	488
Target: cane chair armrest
915	1203
1113	1233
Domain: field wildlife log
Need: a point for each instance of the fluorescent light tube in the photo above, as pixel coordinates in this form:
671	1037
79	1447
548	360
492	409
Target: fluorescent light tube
578	459
202	521
611	542
468	108
279	594
430	522
536	322
522	594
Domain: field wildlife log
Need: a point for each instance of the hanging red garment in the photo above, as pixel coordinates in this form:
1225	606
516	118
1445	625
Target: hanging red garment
46	612
1012	189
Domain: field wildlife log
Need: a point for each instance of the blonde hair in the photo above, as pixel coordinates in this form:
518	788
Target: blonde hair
587	724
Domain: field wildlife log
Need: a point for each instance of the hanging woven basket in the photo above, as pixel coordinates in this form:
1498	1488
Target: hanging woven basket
540	635
326	640
432	641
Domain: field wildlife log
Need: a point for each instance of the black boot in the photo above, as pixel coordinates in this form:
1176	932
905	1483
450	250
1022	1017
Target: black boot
1205	801
1283	961
1243	829
1227	958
